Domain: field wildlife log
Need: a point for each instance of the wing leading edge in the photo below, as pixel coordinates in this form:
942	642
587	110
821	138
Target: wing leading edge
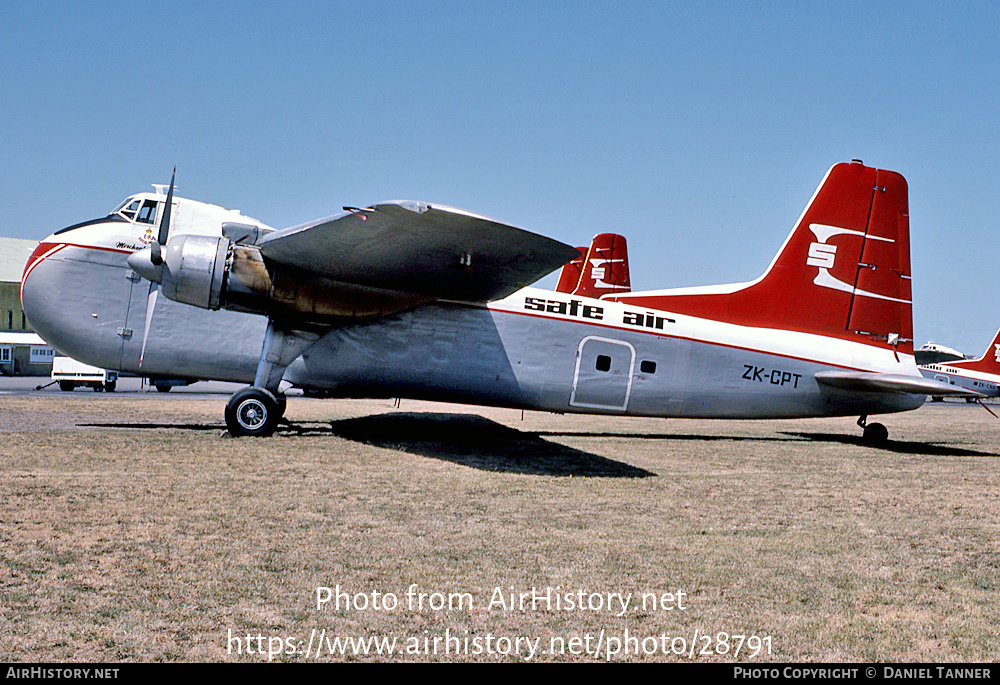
415	247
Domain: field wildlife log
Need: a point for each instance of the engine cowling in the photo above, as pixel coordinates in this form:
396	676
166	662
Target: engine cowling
213	272
193	269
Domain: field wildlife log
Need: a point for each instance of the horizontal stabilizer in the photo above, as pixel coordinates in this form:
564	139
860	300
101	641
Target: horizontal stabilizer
419	248
892	382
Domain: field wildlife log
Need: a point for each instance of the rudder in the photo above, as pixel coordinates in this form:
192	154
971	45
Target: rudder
843	271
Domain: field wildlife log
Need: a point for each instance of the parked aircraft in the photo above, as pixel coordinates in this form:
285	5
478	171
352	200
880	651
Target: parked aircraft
981	375
932	352
409	299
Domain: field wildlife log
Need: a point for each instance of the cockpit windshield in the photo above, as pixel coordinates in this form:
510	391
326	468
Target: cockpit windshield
134	209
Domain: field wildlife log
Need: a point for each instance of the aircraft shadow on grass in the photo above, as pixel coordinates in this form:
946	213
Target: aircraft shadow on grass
480	443
477	442
464	439
900	446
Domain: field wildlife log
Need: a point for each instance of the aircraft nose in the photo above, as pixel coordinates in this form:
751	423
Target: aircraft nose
74	301
37	291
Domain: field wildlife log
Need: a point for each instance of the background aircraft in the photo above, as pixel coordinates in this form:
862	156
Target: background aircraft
981	375
409	299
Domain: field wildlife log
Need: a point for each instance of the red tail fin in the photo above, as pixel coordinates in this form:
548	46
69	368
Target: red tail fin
844	270
569	276
605	270
988	363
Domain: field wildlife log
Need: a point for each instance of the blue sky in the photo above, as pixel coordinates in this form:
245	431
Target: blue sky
698	130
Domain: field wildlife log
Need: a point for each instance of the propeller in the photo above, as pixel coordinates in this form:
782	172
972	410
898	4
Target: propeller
161	238
154	273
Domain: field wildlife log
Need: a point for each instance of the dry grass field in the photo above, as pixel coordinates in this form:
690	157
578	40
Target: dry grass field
131	530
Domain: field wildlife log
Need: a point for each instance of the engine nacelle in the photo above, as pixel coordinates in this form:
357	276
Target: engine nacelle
195	270
213	273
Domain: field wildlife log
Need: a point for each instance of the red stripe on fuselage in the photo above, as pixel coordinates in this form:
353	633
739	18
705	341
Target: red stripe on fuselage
45	250
661	334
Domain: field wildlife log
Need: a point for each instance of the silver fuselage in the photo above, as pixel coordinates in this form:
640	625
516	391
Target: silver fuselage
536	349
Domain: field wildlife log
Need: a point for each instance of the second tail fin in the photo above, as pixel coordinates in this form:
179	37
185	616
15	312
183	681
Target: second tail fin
600	270
988	363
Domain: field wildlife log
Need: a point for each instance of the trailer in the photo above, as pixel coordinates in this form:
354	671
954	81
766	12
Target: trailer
71	374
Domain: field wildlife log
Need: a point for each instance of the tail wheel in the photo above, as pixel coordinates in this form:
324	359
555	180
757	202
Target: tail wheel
875	434
252	412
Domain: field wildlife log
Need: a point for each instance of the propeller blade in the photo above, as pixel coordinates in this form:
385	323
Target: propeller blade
156	248
150	306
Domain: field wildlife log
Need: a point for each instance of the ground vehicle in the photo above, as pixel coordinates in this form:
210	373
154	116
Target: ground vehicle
70	373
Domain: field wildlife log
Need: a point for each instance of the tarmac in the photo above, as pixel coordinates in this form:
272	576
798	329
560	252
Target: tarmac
30	385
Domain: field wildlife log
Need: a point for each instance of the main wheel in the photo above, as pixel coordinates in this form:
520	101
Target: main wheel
252	411
67	386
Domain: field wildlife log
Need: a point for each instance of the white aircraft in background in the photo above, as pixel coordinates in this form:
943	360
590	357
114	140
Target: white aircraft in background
980	375
409	299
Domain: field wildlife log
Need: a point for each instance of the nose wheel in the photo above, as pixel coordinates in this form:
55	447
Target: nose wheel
254	412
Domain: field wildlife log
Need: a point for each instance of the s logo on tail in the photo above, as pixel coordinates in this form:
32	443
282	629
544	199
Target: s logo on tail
823	256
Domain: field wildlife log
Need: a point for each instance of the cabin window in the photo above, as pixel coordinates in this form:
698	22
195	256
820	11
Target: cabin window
647	366
603	362
147	214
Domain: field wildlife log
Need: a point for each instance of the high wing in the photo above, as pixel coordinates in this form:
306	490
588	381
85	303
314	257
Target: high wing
892	382
415	247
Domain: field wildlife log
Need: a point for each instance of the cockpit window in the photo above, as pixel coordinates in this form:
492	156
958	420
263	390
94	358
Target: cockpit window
129	212
147	214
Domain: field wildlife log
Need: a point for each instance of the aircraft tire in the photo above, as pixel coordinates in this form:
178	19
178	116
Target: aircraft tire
875	434
252	412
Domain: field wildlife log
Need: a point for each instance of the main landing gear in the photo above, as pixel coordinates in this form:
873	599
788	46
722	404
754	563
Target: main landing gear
874	433
255	411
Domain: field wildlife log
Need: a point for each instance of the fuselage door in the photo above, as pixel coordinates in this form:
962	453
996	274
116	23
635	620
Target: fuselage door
603	375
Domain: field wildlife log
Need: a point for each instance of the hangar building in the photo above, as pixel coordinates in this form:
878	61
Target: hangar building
22	352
